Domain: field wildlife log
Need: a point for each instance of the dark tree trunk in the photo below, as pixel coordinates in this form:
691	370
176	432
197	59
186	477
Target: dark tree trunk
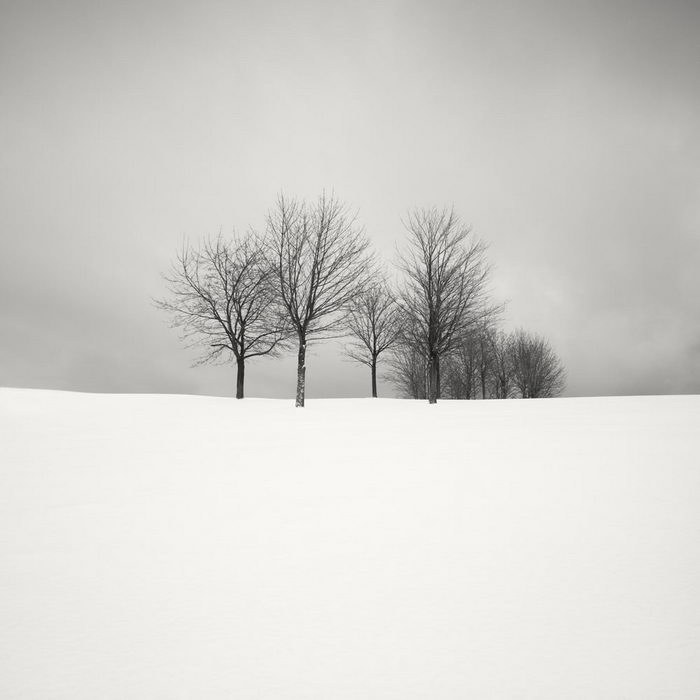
240	377
437	377
483	385
374	377
301	373
432	379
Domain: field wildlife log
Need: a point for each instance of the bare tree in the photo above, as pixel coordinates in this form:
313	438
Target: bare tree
407	371
444	289
501	366
469	365
537	371
221	295
320	263
373	322
461	370
485	357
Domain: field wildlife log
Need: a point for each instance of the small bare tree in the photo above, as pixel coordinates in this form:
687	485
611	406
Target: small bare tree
373	322
501	366
222	297
407	370
460	371
485	357
537	371
320	263
444	290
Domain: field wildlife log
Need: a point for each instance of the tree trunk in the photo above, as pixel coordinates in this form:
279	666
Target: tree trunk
301	373
240	377
374	377
437	377
432	379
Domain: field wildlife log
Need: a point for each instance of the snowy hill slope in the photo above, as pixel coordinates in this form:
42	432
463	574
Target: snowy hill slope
191	547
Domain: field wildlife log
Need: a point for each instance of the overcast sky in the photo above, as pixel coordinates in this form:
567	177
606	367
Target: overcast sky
567	134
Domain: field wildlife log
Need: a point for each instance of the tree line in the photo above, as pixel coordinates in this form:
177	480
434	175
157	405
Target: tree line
311	276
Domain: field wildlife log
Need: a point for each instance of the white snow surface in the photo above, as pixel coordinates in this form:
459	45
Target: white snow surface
192	547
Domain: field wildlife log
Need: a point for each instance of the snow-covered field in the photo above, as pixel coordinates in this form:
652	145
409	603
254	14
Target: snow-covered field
190	547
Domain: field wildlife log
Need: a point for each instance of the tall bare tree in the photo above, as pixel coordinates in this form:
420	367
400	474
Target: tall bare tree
444	293
222	297
320	261
373	322
537	371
